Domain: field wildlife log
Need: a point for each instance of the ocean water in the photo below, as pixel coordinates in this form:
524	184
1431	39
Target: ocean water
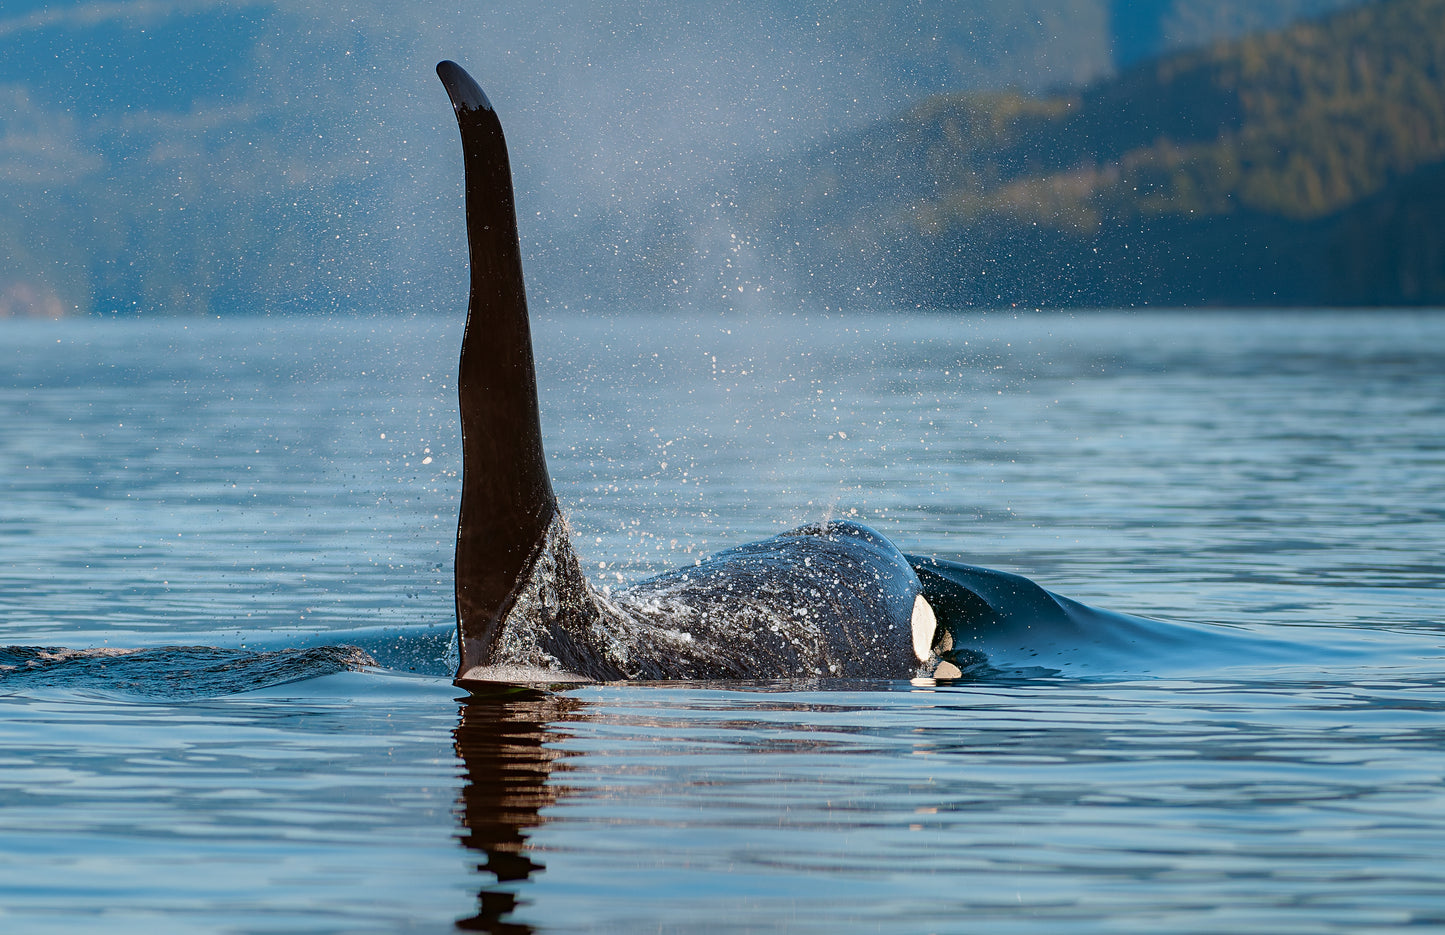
211	530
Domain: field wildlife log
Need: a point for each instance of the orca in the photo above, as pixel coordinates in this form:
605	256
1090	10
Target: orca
832	600
829	600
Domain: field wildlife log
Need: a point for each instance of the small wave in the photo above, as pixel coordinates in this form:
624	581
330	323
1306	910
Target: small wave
172	672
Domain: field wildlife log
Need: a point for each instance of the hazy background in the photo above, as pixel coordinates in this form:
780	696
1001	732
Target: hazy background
220	158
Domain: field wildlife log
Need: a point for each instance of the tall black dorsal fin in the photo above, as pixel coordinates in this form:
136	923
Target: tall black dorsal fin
507	500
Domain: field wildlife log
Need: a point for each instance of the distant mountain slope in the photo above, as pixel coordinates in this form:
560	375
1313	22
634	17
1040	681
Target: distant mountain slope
1259	170
224	156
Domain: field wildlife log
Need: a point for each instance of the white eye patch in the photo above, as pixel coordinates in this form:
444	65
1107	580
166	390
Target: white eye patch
924	626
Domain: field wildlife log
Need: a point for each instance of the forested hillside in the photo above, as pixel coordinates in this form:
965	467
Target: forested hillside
1305	166
192	157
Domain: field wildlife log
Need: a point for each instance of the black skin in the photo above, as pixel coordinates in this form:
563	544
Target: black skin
507	500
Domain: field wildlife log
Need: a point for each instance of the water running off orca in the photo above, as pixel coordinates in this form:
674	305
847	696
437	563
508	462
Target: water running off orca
832	600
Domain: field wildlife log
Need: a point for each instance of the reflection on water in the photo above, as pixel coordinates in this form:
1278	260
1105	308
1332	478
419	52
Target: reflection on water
1184	806
365	803
503	742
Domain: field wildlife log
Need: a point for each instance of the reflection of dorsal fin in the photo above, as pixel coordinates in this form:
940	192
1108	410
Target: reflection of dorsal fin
507	500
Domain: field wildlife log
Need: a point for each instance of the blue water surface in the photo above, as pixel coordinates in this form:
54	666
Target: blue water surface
265	491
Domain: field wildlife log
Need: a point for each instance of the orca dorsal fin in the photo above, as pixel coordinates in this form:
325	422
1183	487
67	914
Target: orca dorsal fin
507	501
